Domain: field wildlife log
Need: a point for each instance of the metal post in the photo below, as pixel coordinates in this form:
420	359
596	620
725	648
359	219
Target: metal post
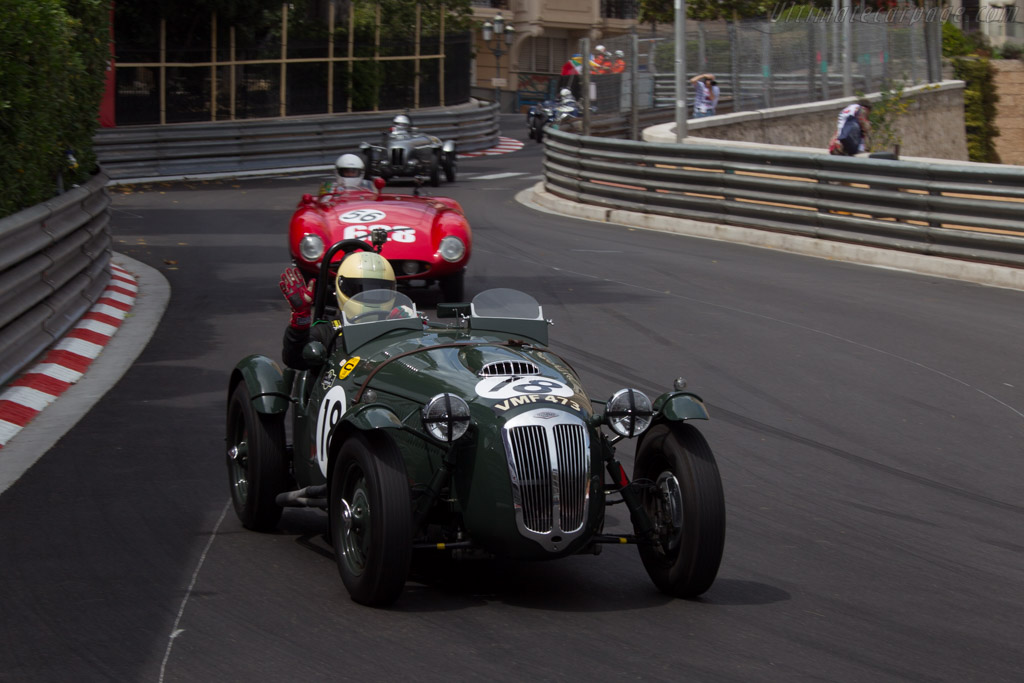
213	67
585	86
847	50
634	94
330	58
284	63
680	55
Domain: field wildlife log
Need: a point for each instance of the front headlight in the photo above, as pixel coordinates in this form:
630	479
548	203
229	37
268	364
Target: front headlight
452	249
311	247
446	417
628	412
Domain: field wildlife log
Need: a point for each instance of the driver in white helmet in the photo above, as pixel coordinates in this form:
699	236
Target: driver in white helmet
359	271
401	124
349	176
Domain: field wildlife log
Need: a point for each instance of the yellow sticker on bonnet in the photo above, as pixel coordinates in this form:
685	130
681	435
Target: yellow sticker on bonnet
348	367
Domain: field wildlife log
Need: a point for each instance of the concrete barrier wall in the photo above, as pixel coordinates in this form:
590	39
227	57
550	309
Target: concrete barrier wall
933	126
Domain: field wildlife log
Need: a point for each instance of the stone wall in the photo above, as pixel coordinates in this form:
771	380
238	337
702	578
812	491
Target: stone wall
1010	110
933	127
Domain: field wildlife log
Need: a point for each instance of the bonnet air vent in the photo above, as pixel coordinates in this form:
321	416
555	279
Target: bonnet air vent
508	368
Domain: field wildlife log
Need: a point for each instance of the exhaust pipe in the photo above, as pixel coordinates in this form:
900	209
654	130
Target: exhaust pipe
309	497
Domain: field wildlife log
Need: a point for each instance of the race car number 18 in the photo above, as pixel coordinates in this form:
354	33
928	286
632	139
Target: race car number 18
331	410
498	388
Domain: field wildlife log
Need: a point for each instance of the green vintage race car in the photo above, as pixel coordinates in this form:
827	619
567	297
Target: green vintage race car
466	437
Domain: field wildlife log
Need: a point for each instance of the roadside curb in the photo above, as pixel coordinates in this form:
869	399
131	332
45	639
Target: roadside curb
76	369
504	146
979	273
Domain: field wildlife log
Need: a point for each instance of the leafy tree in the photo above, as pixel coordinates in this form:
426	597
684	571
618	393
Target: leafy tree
53	58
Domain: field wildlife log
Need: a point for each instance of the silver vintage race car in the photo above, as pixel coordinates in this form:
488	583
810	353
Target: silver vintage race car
404	151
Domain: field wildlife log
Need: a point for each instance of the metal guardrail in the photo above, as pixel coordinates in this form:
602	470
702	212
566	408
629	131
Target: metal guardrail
970	212
54	260
234	146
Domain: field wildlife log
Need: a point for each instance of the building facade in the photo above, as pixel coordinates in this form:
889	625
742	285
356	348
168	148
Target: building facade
546	33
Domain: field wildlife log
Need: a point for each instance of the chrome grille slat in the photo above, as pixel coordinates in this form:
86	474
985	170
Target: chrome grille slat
549	463
509	368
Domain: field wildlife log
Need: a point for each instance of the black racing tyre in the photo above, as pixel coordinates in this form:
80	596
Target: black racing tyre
538	132
450	167
435	171
682	493
453	287
371	518
257	462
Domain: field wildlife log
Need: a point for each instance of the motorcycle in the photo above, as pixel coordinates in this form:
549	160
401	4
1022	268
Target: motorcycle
564	114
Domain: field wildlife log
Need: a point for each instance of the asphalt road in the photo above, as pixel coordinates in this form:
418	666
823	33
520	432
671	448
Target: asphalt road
868	425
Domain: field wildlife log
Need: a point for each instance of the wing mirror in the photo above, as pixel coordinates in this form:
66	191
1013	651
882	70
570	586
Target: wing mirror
314	353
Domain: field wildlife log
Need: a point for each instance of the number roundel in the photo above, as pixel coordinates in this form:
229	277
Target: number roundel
500	388
331	410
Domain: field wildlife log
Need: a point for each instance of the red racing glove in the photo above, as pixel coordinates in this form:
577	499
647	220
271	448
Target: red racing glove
299	296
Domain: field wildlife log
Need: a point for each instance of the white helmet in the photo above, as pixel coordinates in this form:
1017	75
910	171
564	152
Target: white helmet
349	168
600	48
620	54
565	93
401	122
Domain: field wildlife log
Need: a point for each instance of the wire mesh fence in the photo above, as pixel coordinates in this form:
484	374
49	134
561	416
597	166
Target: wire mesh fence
757	64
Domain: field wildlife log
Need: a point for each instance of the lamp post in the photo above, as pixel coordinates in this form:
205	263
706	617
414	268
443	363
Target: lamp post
496	35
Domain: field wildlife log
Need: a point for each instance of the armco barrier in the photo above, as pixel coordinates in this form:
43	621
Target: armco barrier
54	261
260	144
962	211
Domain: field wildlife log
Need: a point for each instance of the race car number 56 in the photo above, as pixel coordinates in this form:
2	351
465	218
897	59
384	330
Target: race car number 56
398	233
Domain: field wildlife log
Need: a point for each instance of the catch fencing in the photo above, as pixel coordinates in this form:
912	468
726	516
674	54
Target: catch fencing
961	211
54	265
760	64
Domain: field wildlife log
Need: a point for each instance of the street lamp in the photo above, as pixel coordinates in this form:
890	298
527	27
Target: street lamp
495	31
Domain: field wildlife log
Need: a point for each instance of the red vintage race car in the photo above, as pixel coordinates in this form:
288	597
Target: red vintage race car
429	239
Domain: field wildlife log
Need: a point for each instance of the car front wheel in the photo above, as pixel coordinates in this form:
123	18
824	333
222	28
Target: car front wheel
371	518
257	463
682	494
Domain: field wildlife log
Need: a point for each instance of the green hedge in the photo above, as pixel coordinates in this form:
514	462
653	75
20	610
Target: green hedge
979	107
53	57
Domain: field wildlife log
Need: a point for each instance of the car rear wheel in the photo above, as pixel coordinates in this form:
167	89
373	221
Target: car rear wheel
449	167
257	463
453	287
682	494
435	171
371	518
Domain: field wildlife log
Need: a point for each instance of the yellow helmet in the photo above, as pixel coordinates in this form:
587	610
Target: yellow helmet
361	271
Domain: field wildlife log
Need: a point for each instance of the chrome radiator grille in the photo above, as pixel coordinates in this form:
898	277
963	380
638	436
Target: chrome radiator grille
549	463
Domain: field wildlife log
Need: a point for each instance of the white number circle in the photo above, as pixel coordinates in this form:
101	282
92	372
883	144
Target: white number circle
500	388
362	216
331	410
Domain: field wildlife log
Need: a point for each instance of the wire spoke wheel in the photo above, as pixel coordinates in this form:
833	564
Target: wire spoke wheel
371	518
256	462
686	504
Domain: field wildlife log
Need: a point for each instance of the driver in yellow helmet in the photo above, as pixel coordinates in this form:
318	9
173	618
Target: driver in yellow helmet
360	271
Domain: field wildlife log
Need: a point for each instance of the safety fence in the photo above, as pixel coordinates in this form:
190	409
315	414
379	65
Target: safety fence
54	260
961	211
238	146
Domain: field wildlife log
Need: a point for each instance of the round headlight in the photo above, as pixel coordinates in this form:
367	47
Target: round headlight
628	412
311	247
452	249
446	417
